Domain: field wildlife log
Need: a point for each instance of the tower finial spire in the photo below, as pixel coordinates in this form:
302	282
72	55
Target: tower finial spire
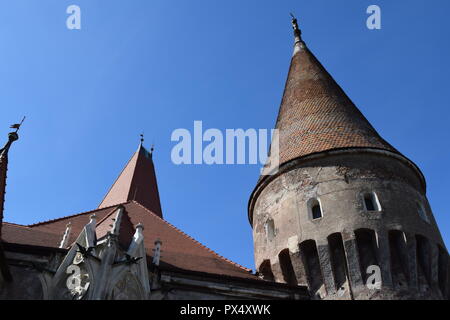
12	136
142	138
297	31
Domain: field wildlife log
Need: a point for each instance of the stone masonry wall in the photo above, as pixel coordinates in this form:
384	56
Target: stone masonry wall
331	254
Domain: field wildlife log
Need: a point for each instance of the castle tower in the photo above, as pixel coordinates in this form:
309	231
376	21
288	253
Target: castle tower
346	214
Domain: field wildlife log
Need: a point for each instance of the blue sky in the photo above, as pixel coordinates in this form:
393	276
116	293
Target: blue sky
156	66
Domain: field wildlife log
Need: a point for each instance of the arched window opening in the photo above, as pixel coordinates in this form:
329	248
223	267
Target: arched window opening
423	261
286	267
367	250
313	271
371	202
265	269
422	213
339	264
269	228
315	210
399	258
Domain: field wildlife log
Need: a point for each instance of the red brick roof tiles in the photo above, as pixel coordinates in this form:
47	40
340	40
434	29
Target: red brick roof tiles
18	234
316	115
178	250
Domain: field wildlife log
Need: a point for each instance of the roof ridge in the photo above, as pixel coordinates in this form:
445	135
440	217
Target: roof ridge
28	228
70	216
16	224
118	177
196	241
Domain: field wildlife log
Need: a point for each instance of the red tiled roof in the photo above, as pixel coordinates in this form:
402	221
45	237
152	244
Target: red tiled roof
178	250
136	182
126	229
24	235
78	221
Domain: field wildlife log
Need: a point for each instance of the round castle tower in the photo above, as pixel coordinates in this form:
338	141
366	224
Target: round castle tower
346	213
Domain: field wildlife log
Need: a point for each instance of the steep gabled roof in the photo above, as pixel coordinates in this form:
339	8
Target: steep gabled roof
178	251
136	182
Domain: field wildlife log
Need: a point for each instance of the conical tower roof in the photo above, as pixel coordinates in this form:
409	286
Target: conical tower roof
315	114
136	182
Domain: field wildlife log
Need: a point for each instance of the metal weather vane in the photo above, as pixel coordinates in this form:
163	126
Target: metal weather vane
17	125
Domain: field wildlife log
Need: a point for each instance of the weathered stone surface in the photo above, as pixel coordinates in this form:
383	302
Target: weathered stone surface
327	272
340	182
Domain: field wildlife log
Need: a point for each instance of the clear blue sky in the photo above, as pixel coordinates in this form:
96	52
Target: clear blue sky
155	66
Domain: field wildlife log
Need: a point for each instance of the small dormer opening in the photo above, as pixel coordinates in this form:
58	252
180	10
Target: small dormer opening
371	202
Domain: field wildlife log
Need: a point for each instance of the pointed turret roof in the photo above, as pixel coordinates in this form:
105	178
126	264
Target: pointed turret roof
136	182
315	114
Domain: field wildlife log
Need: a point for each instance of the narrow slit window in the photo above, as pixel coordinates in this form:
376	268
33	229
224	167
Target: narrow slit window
270	229
371	202
316	210
422	213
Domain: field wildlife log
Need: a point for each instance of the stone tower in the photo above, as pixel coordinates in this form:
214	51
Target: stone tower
346	213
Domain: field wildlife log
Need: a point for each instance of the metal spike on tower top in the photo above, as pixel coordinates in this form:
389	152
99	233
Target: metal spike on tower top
297	31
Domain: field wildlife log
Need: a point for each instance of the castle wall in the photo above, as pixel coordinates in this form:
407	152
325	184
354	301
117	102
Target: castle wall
27	281
32	275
